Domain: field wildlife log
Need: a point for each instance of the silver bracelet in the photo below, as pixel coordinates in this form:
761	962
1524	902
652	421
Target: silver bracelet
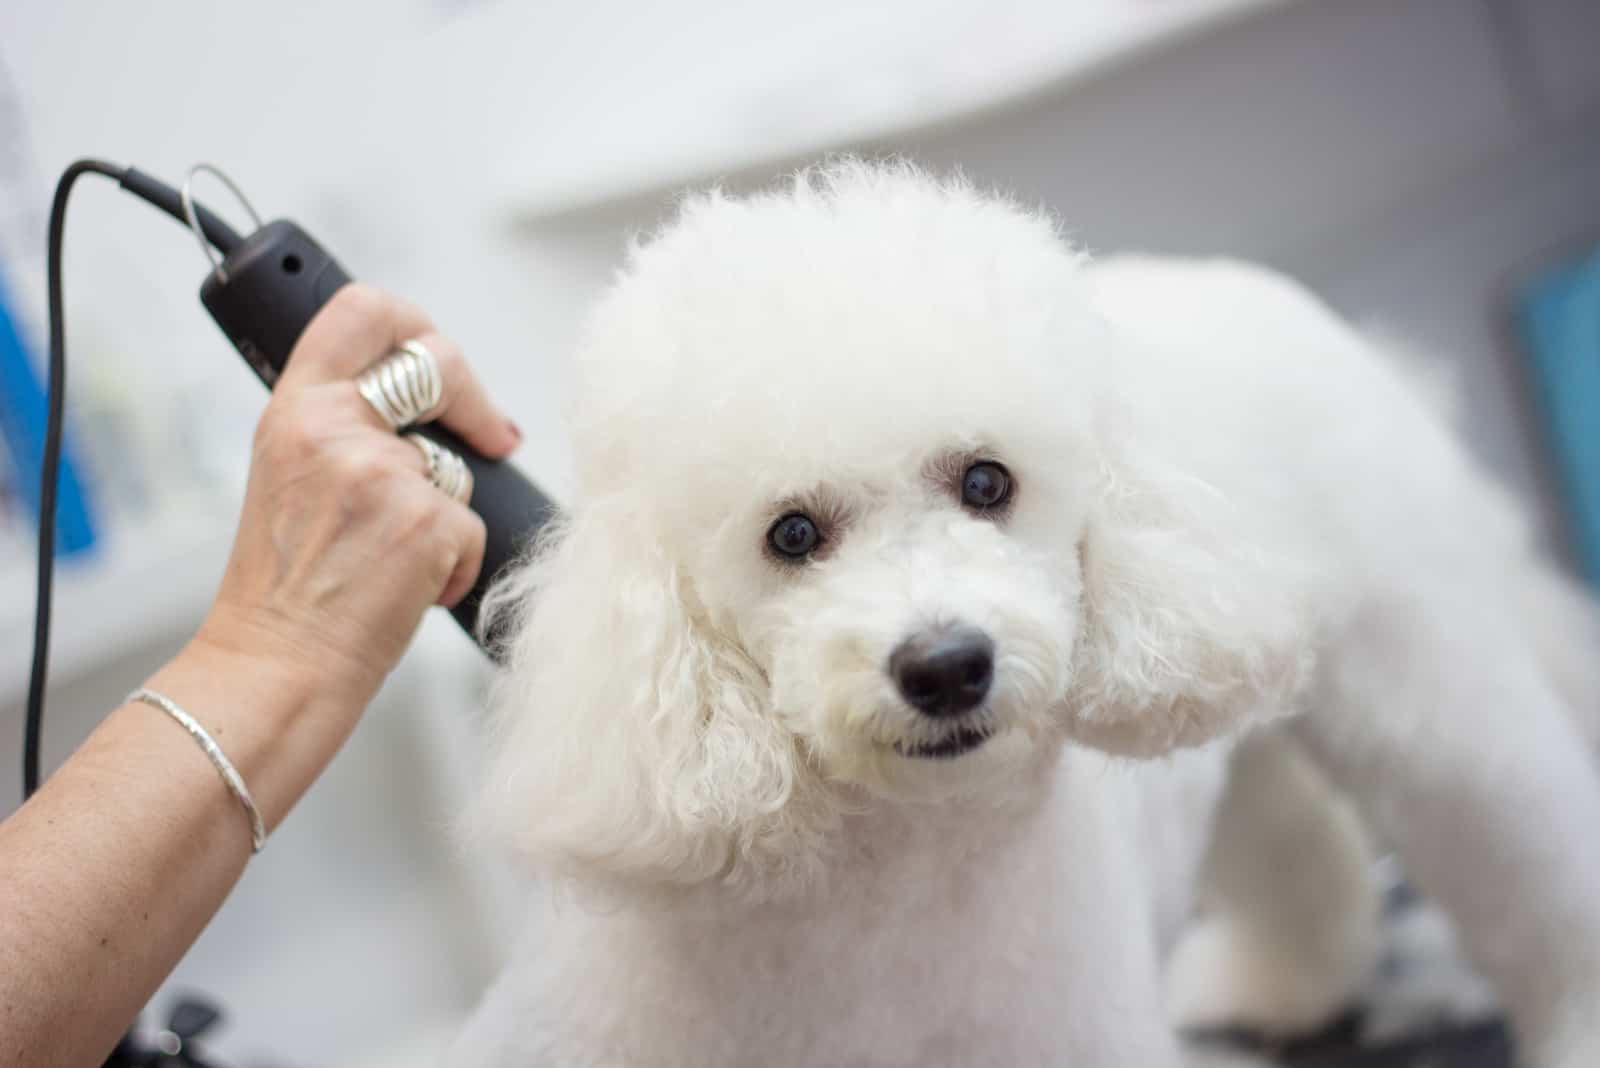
219	760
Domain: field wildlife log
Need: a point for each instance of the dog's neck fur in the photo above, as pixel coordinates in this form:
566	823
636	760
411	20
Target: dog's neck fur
940	934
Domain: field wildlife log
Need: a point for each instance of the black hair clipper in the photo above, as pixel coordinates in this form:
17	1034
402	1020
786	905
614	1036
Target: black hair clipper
262	292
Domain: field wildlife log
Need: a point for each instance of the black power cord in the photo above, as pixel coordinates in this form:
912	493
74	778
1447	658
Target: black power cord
225	240
49	472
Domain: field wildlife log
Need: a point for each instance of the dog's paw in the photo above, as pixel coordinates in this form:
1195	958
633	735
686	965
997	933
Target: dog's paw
1225	976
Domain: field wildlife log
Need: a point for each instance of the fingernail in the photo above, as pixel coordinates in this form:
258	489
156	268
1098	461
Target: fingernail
516	431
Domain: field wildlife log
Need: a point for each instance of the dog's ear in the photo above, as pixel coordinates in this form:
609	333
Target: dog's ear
631	739
1194	617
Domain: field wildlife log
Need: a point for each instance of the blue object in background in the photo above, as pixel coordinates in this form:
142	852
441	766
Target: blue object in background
23	416
1559	316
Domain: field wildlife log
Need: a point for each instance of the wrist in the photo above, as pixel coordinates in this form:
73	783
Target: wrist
277	725
260	643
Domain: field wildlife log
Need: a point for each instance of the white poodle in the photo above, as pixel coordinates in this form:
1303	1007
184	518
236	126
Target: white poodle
900	528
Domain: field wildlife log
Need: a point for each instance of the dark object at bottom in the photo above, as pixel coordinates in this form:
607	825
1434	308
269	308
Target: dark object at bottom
191	1018
1482	1045
1486	1045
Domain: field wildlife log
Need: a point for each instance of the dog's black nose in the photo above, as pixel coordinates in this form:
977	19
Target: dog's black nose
944	672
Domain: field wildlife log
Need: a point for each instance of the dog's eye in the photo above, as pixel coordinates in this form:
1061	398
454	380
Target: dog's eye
794	536
985	486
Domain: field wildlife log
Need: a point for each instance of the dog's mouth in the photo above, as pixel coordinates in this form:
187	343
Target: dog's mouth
959	741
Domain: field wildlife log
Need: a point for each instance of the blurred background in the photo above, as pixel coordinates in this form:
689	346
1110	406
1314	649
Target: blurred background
1424	164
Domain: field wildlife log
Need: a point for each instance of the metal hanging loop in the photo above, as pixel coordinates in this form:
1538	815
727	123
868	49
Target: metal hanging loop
187	199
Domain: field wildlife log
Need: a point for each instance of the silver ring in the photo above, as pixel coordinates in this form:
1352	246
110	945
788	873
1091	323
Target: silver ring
404	387
447	471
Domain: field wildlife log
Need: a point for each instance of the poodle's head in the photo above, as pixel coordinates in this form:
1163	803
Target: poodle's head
862	512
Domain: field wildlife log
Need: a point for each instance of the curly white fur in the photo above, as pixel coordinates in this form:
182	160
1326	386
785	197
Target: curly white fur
1216	483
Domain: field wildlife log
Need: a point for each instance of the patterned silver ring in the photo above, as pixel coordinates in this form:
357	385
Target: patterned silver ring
405	387
447	471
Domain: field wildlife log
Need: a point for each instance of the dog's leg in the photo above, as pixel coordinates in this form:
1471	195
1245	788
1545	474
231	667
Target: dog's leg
1443	727
1288	931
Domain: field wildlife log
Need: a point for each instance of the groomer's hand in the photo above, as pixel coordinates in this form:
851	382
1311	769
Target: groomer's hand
344	542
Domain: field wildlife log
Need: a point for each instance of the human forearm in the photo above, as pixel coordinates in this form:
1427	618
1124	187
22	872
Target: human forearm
115	866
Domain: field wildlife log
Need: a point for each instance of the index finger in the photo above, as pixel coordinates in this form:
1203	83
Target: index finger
359	326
